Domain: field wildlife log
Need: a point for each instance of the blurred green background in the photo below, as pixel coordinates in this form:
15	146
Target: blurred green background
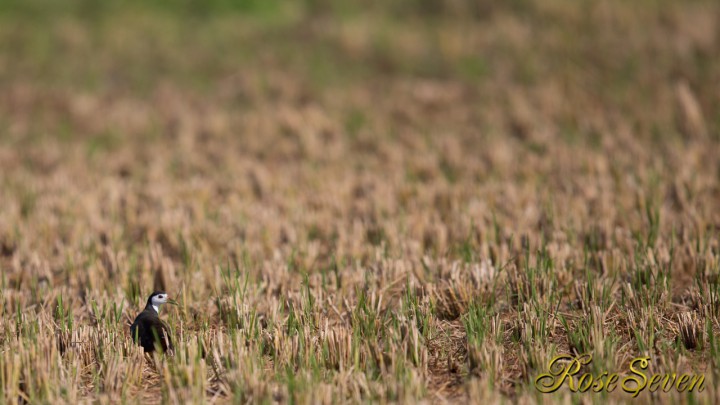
604	57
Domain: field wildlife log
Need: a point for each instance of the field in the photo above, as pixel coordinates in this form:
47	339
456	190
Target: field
356	202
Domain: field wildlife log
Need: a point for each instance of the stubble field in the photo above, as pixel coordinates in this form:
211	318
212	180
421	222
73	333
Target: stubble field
384	201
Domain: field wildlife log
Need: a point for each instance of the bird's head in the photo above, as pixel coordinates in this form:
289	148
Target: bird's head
158	298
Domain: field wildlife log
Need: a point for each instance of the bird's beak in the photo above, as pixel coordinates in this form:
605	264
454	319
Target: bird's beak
172	302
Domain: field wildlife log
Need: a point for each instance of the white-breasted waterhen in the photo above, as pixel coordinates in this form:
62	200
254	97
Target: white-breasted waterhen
148	330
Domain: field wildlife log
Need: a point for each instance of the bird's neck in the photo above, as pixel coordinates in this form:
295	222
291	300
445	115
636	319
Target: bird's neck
155	308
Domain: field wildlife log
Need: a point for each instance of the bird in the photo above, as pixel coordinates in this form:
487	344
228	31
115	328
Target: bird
148	330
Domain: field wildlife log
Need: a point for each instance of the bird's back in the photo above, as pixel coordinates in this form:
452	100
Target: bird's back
149	328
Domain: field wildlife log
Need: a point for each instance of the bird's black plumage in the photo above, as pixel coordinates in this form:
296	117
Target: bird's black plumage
148	329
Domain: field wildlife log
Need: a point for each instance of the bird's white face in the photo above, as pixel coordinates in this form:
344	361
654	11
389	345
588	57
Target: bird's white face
159	299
